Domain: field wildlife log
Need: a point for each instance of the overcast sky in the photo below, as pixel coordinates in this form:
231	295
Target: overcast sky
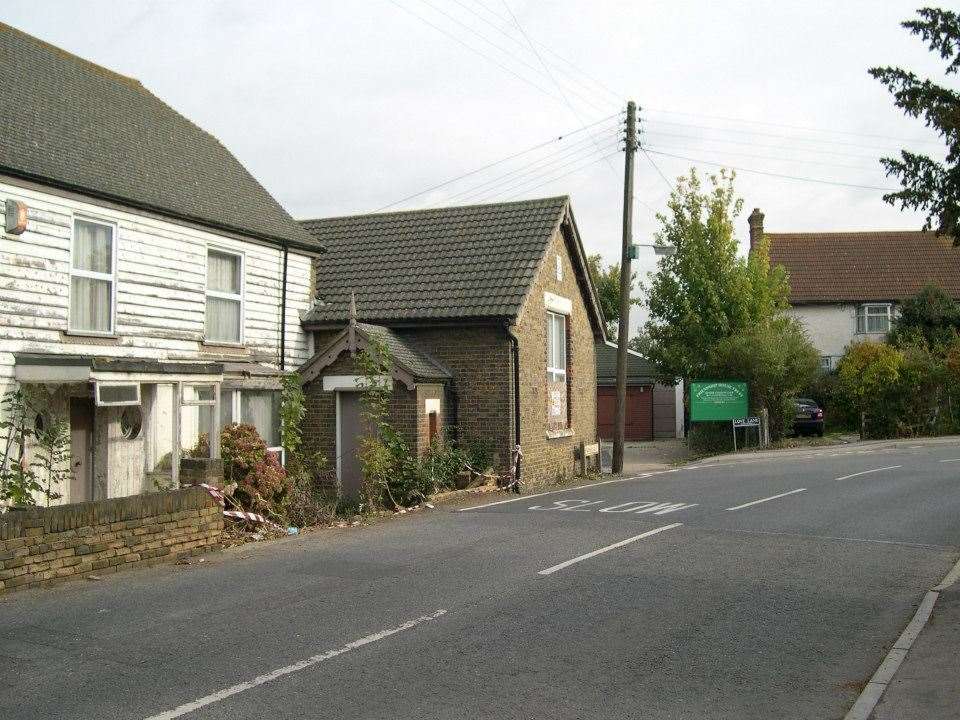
346	107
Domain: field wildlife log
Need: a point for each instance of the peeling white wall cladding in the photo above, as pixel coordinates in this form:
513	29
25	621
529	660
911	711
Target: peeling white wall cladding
161	284
831	327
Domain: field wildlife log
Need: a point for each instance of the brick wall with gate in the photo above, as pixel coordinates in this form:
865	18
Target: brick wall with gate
40	546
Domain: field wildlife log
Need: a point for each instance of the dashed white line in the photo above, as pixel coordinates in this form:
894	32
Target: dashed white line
580	558
867	472
296	667
767	499
951	460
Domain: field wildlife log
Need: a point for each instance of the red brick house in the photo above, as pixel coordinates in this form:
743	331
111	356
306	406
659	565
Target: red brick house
489	315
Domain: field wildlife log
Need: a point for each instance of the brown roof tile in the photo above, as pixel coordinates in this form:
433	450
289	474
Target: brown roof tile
865	266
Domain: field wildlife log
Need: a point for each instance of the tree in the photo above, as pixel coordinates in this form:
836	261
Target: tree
928	185
606	281
704	293
866	371
776	359
931	318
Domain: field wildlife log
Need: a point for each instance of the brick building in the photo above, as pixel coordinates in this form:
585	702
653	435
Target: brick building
490	318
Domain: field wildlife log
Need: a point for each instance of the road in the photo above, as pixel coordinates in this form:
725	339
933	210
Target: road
761	589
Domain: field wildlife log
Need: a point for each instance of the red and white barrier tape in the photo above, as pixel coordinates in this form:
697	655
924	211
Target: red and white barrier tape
217	494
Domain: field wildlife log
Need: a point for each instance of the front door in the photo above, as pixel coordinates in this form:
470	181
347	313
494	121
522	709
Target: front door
81	449
351	430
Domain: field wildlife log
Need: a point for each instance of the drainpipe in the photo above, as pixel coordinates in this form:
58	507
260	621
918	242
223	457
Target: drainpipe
515	347
283	313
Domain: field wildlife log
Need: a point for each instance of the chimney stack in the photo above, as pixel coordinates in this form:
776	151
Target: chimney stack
756	227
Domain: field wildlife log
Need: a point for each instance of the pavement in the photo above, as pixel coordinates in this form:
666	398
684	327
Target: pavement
762	587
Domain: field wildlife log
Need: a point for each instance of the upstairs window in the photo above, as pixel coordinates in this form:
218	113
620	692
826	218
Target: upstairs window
224	297
92	277
558	415
873	318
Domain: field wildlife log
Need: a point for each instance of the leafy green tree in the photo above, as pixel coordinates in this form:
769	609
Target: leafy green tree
931	318
704	293
930	186
606	281
776	359
866	371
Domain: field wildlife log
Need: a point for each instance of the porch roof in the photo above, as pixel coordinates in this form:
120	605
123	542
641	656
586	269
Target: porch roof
60	368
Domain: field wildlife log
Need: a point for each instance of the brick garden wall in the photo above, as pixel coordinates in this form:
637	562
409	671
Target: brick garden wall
40	546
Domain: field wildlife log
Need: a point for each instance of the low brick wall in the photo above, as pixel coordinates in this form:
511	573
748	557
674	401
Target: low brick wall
39	546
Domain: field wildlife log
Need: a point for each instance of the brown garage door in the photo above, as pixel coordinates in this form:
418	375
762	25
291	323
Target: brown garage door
639	425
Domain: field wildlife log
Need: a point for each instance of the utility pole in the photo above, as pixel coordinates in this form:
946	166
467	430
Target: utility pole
626	255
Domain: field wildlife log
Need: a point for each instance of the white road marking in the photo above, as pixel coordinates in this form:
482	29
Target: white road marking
641	536
554	492
296	667
867	472
654	507
951	460
768	499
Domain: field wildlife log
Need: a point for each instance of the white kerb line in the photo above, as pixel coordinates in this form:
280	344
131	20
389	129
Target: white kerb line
296	667
579	558
767	499
867	472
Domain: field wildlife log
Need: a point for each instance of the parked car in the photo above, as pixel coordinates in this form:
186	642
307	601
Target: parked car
808	417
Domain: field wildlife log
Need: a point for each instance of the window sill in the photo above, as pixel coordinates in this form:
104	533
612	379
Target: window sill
557	434
221	347
78	336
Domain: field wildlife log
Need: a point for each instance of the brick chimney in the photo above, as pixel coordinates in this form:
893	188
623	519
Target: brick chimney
756	227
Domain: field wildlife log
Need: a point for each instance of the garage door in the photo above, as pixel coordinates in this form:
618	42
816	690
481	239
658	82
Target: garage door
639	420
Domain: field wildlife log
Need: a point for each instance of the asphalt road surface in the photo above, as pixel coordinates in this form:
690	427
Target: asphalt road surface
765	589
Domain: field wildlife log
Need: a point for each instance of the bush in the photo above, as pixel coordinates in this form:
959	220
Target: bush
241	448
265	485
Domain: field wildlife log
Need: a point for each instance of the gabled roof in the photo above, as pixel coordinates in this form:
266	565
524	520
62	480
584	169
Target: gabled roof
639	369
865	266
408	362
68	123
476	261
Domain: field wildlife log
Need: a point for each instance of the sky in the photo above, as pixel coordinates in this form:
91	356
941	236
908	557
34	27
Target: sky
348	107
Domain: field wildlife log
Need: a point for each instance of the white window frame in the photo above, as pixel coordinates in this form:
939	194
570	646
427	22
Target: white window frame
100	403
198	403
226	296
864	313
111	277
556	373
236	414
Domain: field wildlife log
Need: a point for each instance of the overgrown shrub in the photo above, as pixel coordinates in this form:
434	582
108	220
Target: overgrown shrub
265	486
241	447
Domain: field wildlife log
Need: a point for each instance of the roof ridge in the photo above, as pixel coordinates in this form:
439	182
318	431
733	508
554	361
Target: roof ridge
304	221
853	232
89	64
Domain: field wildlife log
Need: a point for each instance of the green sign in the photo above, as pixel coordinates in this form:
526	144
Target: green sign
718	400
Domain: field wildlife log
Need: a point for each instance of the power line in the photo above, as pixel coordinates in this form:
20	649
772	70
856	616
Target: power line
501	49
776	158
793	127
767	134
511	38
474	50
772	174
599	83
559	138
552	158
656	167
560	177
546	68
749	143
499	189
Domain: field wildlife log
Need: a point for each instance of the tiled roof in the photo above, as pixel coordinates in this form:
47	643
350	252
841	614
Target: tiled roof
458	262
639	370
69	123
406	353
865	266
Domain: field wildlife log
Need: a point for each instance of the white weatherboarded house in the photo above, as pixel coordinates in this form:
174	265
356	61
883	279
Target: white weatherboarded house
149	286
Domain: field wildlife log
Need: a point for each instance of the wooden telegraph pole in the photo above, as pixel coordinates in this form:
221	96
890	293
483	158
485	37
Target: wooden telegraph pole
626	256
